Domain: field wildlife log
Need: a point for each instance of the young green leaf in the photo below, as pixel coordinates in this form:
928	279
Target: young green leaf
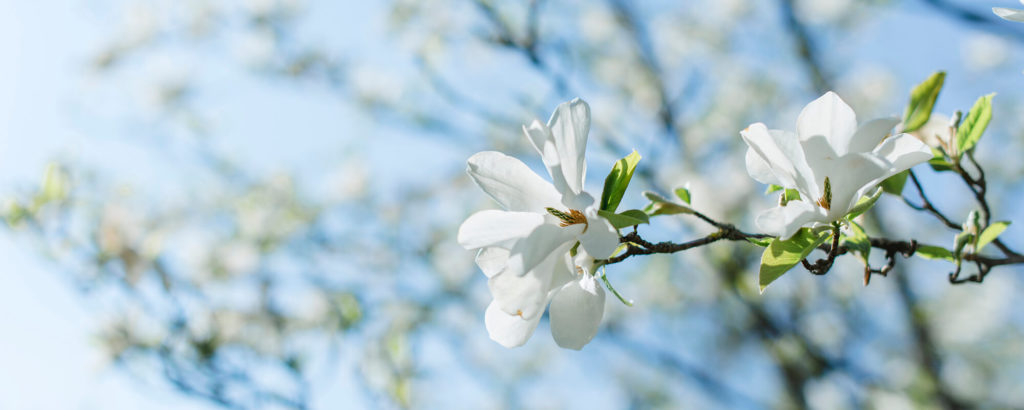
617	181
922	100
683	194
934	252
974	124
662	206
792	195
991	233
772	188
863	204
894	184
607	284
781	255
762	242
631	217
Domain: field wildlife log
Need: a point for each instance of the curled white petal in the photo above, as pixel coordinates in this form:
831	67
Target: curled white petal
510	182
601	238
570	124
576	312
497	228
1009	14
508	330
492	260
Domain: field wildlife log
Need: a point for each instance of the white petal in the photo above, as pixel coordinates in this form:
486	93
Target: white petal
903	151
491	260
871	133
851	176
497	228
935	132
784	221
601	238
781	151
821	159
1009	14
527	294
759	169
570	124
510	182
508	330
576	312
542	140
831	117
542	241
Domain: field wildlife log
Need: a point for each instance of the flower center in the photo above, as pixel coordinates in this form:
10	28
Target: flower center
826	198
573	217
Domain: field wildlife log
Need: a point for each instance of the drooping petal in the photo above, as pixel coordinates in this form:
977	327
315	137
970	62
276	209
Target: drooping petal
508	330
784	221
545	239
542	140
497	228
511	183
781	151
576	312
570	124
491	260
600	238
871	133
760	170
831	117
1009	14
527	294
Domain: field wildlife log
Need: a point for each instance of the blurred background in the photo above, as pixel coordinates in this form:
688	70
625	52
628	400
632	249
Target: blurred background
253	204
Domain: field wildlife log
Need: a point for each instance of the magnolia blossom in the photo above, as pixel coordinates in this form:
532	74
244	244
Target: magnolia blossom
1010	14
525	248
937	133
830	161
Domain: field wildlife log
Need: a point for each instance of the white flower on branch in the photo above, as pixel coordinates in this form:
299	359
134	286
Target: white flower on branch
829	160
525	248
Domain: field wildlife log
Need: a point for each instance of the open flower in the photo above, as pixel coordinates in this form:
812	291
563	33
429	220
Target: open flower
524	249
829	161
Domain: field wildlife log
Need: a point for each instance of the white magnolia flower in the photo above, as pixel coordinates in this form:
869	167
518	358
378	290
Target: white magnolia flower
1010	14
524	249
829	160
937	133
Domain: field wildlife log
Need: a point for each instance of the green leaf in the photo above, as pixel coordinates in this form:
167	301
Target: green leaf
934	252
863	204
922	100
940	164
792	195
858	242
762	242
894	184
974	125
662	206
772	188
991	233
617	181
781	255
683	194
631	217
607	284
55	184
